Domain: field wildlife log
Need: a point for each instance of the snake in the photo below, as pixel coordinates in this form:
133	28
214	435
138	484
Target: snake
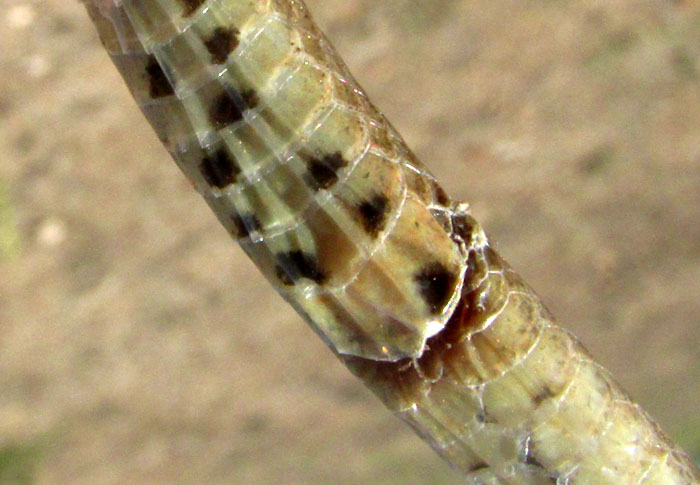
400	281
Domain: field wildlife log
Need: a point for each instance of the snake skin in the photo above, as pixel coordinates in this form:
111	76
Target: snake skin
321	192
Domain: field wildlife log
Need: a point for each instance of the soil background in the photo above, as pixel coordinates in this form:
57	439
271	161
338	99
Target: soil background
139	345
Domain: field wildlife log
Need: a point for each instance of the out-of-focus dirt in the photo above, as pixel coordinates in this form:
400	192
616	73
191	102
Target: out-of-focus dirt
139	345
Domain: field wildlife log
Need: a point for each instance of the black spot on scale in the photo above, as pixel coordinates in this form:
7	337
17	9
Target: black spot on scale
373	214
191	6
158	84
294	265
221	43
324	169
228	107
435	283
219	169
245	224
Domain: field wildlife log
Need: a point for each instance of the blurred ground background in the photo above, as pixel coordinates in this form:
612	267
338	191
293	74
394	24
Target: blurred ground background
137	344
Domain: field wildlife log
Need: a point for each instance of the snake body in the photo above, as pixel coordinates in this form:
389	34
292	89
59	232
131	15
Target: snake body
400	281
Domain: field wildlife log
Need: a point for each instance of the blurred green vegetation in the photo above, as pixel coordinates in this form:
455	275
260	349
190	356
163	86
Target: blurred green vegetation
18	463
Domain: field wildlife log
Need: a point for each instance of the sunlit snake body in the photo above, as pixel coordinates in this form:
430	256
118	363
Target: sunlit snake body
401	283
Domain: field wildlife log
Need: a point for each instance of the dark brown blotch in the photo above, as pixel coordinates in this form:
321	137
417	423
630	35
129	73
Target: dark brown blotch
544	394
482	465
228	107
441	196
221	43
158	84
191	6
373	214
436	284
294	265
324	169
245	224
220	168
463	226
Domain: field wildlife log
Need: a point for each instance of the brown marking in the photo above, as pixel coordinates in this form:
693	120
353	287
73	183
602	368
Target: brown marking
250	98
481	465
158	84
324	169
463	225
436	283
293	265
373	213
228	107
245	224
441	196
544	394
221	43
191	6
219	169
